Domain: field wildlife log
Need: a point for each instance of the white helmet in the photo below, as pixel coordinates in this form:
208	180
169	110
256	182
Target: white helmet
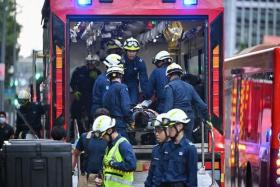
113	70
103	123
112	60
158	121
173	68
162	55
23	94
131	44
94	57
176	116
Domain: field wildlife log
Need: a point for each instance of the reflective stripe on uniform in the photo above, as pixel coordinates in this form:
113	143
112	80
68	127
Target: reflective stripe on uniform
117	179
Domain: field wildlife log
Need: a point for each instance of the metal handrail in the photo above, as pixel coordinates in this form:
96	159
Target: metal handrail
202	146
213	153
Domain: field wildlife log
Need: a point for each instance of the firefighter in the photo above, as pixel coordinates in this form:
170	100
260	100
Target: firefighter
94	150
81	83
182	95
119	160
180	155
155	174
102	83
32	113
158	79
114	46
6	131
117	100
135	68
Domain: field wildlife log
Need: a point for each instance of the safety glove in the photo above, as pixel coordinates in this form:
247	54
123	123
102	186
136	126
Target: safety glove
93	74
77	95
209	124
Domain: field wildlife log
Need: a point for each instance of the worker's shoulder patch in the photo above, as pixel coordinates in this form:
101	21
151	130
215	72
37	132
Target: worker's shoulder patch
141	60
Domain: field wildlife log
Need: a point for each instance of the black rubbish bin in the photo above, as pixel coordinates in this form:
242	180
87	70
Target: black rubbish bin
36	163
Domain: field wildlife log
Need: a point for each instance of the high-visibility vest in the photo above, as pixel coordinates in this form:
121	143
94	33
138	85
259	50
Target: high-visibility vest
112	176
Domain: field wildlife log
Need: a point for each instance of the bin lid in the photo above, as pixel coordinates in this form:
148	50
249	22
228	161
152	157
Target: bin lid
41	145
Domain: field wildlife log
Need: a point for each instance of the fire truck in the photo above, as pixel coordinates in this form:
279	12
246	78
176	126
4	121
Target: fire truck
191	30
252	106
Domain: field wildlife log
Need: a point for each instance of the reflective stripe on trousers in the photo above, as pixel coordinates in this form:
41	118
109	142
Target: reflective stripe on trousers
117	179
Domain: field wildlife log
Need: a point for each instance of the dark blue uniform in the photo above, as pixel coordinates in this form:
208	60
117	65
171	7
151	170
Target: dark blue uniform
180	163
82	81
117	101
94	149
183	96
157	82
32	112
101	85
129	158
134	69
155	175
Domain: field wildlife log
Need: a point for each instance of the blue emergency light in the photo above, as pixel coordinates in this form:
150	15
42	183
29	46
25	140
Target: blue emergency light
190	2
84	2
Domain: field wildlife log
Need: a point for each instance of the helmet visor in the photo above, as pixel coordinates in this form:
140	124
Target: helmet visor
132	44
168	122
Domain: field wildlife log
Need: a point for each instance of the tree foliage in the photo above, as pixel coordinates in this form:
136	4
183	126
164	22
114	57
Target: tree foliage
11	37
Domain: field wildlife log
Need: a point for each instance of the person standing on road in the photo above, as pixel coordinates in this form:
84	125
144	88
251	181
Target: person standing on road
180	155
158	79
32	113
102	83
119	160
94	150
135	70
117	100
6	131
183	96
155	175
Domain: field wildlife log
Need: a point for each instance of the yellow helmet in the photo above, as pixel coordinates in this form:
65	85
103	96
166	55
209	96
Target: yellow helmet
131	44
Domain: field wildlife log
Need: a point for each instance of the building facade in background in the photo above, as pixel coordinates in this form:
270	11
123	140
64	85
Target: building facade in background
248	21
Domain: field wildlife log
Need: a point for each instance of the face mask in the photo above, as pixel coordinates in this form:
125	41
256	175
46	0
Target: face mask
2	120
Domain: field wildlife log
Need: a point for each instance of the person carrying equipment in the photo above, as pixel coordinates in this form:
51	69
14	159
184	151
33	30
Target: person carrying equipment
183	96
134	68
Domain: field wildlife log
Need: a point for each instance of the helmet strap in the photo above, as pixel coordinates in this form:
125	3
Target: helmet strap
166	137
177	133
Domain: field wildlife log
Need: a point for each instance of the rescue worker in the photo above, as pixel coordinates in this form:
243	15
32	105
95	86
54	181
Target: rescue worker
114	46
117	100
182	95
81	83
32	113
155	174
119	160
135	70
158	79
6	131
102	83
94	150
180	155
